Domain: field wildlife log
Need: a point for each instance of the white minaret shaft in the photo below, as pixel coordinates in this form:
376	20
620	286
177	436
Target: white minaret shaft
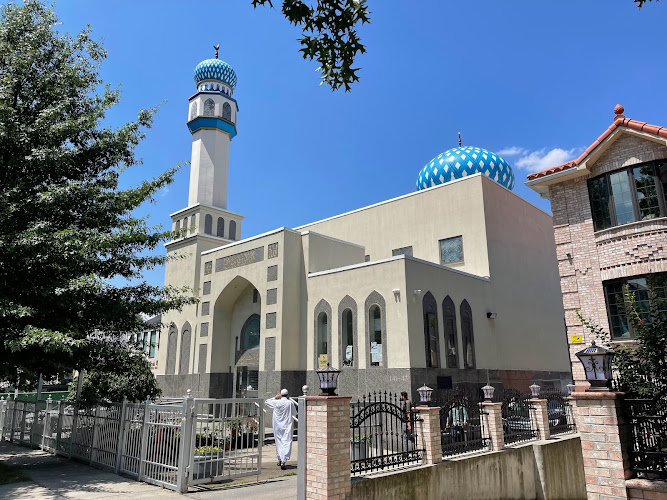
212	122
209	168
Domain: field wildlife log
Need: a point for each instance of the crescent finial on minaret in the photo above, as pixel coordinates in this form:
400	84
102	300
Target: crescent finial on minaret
217	48
460	143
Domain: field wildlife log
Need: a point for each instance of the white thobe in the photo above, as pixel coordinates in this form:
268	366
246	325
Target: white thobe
283	411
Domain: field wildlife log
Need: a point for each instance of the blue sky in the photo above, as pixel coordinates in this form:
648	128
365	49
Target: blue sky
537	78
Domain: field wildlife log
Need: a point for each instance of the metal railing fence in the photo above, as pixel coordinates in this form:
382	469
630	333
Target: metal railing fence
152	442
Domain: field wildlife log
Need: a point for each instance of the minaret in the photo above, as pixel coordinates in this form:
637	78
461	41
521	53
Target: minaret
212	123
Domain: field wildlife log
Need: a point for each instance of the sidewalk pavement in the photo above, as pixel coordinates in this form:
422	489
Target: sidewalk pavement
57	478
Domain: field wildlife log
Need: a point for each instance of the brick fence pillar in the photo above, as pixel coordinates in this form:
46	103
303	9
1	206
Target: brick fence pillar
598	415
328	447
430	429
494	424
541	417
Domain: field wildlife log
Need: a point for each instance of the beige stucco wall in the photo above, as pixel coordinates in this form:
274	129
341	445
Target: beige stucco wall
443	282
530	328
419	220
359	282
325	252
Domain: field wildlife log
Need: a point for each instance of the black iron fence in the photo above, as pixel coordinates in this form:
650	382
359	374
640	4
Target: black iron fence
561	416
385	433
462	425
518	416
647	420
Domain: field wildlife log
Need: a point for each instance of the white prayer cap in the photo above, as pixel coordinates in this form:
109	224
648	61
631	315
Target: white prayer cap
284	392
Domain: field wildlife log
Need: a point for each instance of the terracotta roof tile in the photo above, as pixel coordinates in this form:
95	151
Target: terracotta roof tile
619	121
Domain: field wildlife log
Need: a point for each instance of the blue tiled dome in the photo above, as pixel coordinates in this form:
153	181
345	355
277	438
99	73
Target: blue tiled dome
463	161
215	69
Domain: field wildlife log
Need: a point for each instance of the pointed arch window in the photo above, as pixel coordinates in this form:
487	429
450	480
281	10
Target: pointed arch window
322	331
467	335
451	335
209	107
430	310
172	340
348	337
193	111
208	224
221	227
232	230
376	330
184	364
178	225
227	112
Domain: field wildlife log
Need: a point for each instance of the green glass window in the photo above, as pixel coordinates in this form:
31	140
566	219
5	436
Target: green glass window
599	196
629	195
451	250
638	286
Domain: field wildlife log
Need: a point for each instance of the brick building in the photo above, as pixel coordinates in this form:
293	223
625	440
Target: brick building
610	226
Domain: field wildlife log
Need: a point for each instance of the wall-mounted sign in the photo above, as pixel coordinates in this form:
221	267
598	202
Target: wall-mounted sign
324	359
576	339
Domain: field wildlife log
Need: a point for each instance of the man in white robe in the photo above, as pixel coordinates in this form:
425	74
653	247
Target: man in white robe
283	411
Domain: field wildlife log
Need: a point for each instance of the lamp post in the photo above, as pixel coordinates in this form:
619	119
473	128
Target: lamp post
488	391
535	390
597	366
570	389
425	394
328	380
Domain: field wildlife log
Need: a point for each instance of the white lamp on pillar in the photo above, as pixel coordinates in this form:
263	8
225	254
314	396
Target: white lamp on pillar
425	394
597	366
534	390
328	380
488	391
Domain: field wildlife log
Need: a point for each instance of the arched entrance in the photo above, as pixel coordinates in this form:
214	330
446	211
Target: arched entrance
247	358
235	342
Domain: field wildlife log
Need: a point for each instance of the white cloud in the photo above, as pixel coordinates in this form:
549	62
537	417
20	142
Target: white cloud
543	159
164	191
512	151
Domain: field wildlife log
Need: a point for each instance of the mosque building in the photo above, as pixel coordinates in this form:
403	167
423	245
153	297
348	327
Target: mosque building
445	286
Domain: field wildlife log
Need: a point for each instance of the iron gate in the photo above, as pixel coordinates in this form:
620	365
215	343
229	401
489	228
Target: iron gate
384	433
226	439
462	428
518	416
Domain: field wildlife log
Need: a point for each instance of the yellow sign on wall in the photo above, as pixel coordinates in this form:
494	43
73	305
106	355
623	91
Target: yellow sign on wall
324	359
576	339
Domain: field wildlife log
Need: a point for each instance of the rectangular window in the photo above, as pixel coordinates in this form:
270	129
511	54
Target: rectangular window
629	195
451	250
402	251
151	353
614	292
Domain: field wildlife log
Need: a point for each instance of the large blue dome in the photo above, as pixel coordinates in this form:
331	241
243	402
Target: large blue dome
460	162
215	69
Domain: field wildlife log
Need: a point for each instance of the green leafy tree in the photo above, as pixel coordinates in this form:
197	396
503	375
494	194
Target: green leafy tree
66	229
329	35
641	366
113	372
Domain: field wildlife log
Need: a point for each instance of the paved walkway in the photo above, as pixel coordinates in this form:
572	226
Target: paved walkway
57	478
